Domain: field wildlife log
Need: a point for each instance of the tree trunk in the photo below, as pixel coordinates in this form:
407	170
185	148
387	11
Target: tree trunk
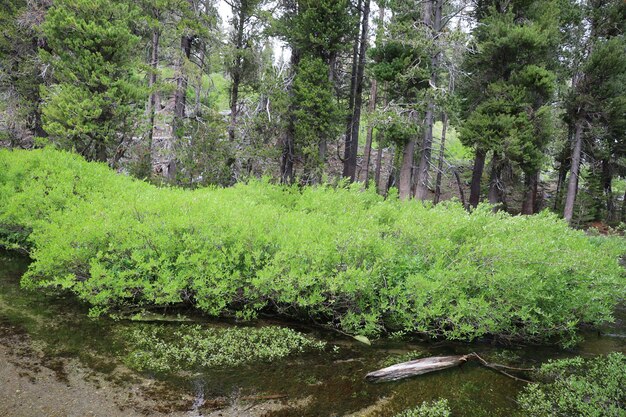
530	193
180	101
352	148
367	153
406	168
379	160
287	158
152	101
572	187
461	192
607	180
432	20
624	208
236	74
442	150
477	174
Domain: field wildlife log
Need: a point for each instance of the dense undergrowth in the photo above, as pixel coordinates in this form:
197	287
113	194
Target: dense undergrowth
331	254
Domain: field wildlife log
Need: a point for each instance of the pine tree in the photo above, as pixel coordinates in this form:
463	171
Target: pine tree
94	103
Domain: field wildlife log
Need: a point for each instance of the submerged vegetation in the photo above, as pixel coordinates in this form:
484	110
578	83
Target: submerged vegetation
437	408
157	348
577	387
335	254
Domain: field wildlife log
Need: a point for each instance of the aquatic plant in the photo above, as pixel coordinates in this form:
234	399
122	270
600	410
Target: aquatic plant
165	348
578	387
438	408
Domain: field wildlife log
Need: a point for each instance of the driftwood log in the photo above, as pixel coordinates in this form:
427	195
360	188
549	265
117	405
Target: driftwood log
434	364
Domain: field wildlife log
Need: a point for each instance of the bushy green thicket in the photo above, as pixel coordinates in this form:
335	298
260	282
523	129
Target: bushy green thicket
161	349
578	387
335	254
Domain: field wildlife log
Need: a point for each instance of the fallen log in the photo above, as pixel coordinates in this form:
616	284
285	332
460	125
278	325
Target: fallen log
436	363
417	367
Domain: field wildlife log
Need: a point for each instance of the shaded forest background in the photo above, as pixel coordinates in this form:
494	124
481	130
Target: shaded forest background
521	103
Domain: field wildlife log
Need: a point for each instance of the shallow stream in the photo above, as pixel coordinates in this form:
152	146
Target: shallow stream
51	335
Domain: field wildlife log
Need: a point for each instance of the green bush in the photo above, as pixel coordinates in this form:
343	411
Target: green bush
578	387
335	254
437	408
163	348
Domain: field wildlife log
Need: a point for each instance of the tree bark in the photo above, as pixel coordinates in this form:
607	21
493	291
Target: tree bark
367	153
477	174
432	21
379	160
572	187
442	150
236	73
607	180
152	101
352	147
530	193
406	169
180	101
287	158
494	181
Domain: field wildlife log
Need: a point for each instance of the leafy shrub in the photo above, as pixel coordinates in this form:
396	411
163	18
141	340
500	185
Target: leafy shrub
163	348
437	408
336	254
578	387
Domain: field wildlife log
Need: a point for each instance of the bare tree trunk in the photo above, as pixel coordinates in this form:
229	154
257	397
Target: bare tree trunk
530	193
236	73
477	174
352	148
624	208
461	192
433	23
379	160
152	101
607	180
367	153
442	150
572	187
495	181
287	157
406	169
180	100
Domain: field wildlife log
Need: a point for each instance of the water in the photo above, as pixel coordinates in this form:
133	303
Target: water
57	332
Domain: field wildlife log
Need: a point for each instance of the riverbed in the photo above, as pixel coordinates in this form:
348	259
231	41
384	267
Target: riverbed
56	361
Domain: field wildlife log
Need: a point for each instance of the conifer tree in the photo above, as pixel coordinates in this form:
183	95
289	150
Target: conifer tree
94	103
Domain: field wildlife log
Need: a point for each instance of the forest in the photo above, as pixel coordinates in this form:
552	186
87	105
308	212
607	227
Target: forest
518	103
275	207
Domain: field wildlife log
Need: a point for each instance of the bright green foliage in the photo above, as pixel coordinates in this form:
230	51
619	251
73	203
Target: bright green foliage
437	408
161	348
578	387
343	256
91	50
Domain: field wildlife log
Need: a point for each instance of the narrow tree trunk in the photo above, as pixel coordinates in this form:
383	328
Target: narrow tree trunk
367	153
379	161
496	190
572	188
406	168
530	193
607	180
624	208
152	101
352	148
180	101
477	174
460	185
432	20
236	74
442	150
287	158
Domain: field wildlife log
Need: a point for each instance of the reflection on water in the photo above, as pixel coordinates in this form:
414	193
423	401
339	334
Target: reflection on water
316	384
